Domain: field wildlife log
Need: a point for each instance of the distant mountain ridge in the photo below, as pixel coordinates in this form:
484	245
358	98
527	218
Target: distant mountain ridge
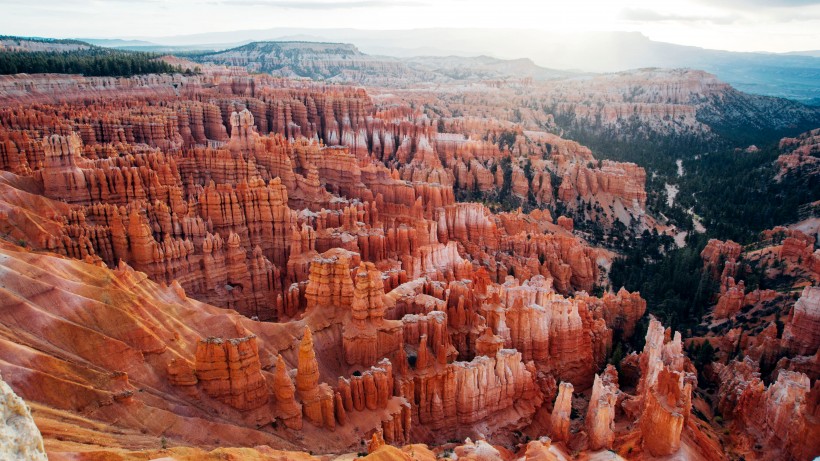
32	44
117	43
344	62
315	60
813	53
794	75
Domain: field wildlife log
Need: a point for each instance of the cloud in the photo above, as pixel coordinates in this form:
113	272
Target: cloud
775	3
646	15
323	5
758	4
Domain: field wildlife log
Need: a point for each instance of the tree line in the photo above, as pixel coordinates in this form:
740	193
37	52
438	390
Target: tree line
93	62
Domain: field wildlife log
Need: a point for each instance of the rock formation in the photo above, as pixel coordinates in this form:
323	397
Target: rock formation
664	391
19	437
601	412
284	393
368	336
561	413
539	450
802	333
317	399
717	255
780	418
229	370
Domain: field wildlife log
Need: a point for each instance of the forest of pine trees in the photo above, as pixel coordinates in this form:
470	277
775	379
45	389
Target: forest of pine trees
93	61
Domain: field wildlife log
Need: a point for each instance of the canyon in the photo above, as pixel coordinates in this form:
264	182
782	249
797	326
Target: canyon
228	265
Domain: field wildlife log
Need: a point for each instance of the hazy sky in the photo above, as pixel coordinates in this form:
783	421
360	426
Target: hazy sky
738	25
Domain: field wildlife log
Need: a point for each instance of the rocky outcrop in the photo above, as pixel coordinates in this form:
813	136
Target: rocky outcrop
488	344
450	398
799	155
601	412
717	255
317	399
19	437
565	222
62	177
664	397
567	336
229	371
614	184
478	451
571	346
371	389
539	450
664	414
780	418
620	310
798	248
731	300
368	336
801	334
374	390
330	286
284	394
560	417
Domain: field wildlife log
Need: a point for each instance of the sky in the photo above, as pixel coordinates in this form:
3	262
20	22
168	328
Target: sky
735	25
